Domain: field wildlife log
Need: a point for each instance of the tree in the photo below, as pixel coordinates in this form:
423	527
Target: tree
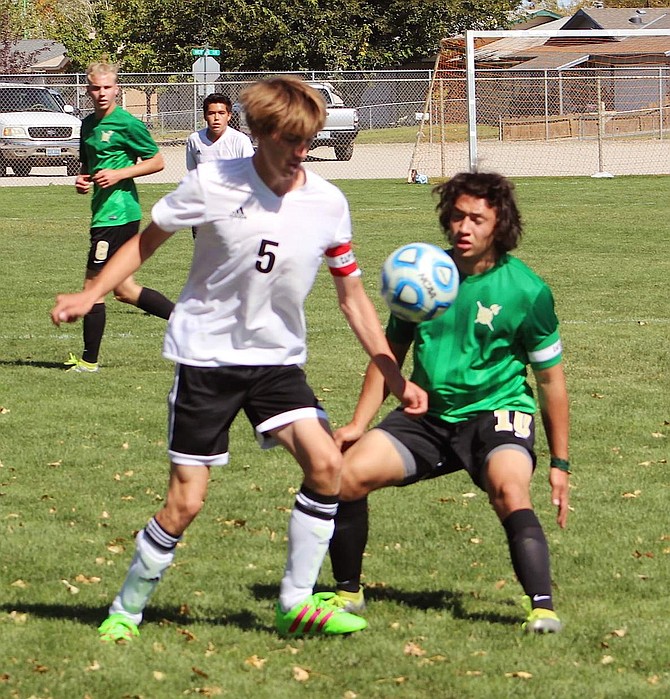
12	61
158	35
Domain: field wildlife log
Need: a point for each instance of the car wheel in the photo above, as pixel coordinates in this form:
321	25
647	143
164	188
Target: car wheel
21	169
344	151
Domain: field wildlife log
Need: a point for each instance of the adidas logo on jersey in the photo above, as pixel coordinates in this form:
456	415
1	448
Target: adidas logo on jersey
238	214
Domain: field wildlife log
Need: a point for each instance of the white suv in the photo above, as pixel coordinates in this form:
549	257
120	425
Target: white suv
36	130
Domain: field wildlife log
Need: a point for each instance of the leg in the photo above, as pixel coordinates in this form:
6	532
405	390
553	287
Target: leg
148	300
93	325
372	463
507	480
311	523
155	545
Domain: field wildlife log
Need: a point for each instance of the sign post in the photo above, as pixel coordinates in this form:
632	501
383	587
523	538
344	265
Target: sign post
206	69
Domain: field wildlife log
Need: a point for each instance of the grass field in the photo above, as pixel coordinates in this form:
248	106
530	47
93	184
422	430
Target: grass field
83	466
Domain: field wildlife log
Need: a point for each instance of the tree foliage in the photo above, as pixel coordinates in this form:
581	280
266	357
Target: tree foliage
158	35
12	61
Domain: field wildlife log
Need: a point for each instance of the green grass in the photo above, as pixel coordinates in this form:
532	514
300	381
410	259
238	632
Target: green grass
83	466
407	134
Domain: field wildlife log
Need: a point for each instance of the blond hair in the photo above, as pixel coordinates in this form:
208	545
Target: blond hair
284	104
102	68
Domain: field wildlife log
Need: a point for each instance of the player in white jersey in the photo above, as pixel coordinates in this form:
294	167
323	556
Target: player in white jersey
218	140
237	335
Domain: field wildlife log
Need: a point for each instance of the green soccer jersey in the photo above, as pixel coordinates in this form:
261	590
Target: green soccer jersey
114	142
474	357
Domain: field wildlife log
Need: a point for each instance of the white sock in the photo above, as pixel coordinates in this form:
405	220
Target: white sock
308	539
146	569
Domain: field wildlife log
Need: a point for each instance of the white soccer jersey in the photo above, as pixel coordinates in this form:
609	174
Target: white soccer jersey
231	144
254	262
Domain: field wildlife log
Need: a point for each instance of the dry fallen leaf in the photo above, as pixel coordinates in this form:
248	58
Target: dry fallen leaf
72	589
255	661
413	649
95	665
158	675
619	633
300	674
521	674
634	494
199	672
607	660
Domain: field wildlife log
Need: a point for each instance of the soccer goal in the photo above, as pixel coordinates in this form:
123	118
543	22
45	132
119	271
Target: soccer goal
548	102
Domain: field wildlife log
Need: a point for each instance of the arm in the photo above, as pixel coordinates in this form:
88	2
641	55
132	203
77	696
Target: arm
372	395
363	320
108	178
191	162
553	399
70	307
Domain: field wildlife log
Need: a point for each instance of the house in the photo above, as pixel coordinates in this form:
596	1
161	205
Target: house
48	56
522	80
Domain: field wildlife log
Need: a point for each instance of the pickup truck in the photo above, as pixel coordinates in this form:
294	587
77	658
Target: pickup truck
37	129
339	131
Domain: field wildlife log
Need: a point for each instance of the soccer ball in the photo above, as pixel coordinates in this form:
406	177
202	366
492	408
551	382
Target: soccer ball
419	282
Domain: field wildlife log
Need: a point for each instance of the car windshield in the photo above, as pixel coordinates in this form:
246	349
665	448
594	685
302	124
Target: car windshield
27	99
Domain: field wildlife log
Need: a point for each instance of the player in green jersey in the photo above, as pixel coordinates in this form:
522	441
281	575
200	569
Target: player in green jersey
115	148
472	362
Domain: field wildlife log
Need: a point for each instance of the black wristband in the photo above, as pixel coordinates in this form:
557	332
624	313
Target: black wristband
560	464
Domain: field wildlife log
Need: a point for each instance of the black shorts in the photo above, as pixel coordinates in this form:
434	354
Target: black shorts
106	240
440	447
204	401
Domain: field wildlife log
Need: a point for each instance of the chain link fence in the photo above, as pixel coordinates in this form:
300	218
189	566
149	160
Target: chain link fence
413	125
599	120
388	105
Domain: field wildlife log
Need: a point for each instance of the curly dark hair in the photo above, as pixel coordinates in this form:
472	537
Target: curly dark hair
499	194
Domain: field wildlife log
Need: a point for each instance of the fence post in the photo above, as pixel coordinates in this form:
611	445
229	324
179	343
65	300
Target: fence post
546	107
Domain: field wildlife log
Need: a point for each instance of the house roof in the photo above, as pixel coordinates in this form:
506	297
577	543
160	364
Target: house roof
50	56
556	53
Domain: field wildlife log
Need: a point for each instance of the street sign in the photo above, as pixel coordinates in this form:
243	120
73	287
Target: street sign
205	70
205	52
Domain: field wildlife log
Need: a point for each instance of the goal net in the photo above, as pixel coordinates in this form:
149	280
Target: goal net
548	102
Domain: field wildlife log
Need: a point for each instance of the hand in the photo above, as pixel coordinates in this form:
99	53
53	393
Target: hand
71	307
347	436
107	178
82	184
412	396
560	494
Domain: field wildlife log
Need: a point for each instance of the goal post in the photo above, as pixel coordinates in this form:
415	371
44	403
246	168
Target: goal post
516	103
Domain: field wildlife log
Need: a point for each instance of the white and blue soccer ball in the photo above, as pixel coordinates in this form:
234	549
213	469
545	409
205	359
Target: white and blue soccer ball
419	282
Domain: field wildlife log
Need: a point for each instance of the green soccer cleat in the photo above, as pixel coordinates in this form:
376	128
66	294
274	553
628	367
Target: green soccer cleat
117	628
539	620
353	602
79	366
315	617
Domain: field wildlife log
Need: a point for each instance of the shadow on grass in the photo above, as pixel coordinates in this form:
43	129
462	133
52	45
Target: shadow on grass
32	363
242	619
445	600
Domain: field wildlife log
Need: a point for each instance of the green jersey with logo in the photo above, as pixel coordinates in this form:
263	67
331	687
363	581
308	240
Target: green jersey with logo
474	357
111	143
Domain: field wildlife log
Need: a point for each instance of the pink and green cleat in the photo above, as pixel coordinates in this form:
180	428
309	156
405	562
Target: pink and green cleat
117	628
317	617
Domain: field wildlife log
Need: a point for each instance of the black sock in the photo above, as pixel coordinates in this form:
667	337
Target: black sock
154	303
94	328
530	556
348	544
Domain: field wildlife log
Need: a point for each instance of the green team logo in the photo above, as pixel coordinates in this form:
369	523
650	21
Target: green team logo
486	315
